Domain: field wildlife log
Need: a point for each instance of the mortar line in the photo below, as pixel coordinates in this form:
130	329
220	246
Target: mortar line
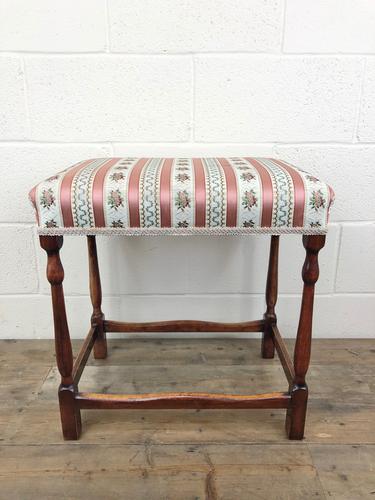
107	24
227	53
270	144
193	96
37	263
26	98
357	118
337	259
190	295
283	26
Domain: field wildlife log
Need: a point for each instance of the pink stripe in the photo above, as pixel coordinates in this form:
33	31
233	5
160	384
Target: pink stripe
32	197
98	192
66	192
32	194
267	192
200	193
165	193
331	197
299	193
230	179
331	200
133	192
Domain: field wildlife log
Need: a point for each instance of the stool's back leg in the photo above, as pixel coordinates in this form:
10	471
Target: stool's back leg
97	318
70	413
268	347
296	414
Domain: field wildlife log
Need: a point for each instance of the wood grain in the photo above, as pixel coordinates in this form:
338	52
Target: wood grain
179	351
283	354
183	326
83	355
69	411
296	414
268	346
97	317
152	471
195	453
184	400
189	454
346	472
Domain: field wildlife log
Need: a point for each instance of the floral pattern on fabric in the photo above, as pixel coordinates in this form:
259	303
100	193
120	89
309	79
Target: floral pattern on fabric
115	199
47	198
183	193
117	178
249	199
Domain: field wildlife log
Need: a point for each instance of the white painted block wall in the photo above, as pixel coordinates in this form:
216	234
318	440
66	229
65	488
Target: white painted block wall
290	78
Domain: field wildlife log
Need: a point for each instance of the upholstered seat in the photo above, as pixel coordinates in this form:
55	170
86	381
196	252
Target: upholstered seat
182	196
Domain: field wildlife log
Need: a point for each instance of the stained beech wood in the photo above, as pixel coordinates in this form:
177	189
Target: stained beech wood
84	354
97	317
183	326
283	354
296	414
268	346
71	400
69	411
181	400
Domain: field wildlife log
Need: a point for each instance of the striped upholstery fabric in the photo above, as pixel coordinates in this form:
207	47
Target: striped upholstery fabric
182	196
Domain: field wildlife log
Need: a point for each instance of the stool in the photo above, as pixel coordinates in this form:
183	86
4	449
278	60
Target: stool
182	196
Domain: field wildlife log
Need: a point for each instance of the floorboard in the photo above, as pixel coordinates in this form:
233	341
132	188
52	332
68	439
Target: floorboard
188	454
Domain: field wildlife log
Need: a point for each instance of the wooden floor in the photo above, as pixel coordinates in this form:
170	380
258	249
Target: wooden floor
188	454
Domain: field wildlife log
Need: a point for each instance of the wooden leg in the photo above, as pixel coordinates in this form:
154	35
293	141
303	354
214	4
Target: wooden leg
97	318
268	346
296	413
69	410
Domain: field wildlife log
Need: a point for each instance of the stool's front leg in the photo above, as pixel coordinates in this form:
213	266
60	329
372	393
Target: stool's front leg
70	413
296	414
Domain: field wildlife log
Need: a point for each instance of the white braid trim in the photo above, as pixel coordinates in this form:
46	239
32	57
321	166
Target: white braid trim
176	231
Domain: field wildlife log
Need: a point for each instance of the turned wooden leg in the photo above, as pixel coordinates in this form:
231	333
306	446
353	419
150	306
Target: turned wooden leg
296	414
70	413
268	346
97	317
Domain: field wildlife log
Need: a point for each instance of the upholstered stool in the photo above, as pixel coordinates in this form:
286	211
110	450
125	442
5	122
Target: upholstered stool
182	196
